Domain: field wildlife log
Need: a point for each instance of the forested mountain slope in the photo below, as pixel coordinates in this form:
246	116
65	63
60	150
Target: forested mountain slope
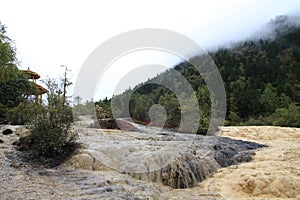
261	78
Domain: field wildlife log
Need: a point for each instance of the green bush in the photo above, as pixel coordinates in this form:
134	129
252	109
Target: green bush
289	116
3	112
253	122
23	113
51	137
203	125
51	134
234	119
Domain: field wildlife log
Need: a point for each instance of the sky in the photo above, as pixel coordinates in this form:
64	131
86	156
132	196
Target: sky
48	34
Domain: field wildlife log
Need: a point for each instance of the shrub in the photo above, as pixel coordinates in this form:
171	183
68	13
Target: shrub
289	116
50	131
234	119
23	113
3	111
51	138
253	122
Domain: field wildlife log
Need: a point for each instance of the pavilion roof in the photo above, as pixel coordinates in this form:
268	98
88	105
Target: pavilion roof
32	74
36	89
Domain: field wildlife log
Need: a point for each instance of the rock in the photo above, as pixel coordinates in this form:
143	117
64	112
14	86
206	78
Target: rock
231	152
1	141
16	164
7	132
195	165
124	125
185	172
173	159
104	124
83	161
86	161
23	133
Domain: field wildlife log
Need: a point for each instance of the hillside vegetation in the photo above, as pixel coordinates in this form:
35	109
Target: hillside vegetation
261	78
51	139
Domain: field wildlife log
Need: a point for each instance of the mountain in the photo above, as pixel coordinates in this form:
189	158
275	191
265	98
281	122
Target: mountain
261	78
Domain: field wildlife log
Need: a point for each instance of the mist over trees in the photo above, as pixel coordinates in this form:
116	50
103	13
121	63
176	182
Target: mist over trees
261	78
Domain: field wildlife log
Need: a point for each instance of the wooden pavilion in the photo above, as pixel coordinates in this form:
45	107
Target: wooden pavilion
36	89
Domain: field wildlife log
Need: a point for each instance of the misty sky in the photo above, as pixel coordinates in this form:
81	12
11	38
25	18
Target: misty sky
49	34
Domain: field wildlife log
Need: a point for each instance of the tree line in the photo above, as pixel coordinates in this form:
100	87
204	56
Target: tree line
51	139
261	78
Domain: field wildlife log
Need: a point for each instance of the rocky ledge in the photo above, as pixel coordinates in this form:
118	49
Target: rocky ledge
176	160
192	167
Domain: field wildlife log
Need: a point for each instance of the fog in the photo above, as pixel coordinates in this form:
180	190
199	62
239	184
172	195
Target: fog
54	33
